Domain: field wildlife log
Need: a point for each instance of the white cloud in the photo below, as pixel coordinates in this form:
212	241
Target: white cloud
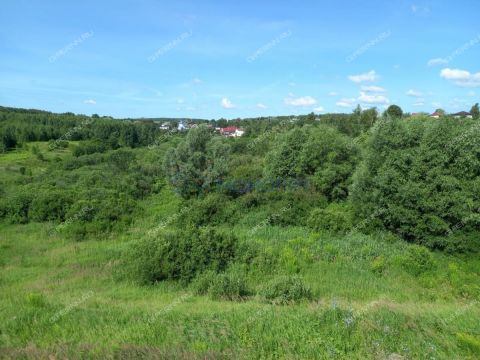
301	101
346	103
454	74
196	81
420	9
332	93
373	98
414	93
227	104
319	109
373	88
437	104
370	76
261	106
437	61
90	102
461	78
419	103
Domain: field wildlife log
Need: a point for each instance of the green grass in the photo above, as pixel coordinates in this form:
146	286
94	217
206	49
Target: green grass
65	299
355	313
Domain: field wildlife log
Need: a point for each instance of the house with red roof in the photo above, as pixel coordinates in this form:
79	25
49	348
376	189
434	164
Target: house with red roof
232	131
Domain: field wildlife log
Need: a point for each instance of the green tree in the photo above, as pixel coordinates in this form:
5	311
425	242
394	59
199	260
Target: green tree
475	111
319	154
198	163
368	118
420	179
394	111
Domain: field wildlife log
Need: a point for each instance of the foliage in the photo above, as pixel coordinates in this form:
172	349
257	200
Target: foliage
182	255
50	206
394	111
321	154
197	164
286	290
15	208
419	179
475	112
418	260
335	218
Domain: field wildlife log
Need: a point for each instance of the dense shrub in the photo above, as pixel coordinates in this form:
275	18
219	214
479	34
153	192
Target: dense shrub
285	290
89	147
121	158
183	254
335	218
213	209
48	205
8	139
422	179
321	154
15	208
198	164
418	260
293	207
72	163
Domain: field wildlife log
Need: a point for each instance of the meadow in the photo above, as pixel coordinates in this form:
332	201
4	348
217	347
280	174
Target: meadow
100	284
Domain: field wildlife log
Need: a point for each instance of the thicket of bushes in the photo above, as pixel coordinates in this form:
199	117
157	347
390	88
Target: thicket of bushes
417	178
182	255
85	194
421	180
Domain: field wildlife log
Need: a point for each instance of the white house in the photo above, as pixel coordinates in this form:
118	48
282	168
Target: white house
239	132
165	126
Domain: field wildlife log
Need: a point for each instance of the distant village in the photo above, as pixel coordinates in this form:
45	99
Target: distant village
229	131
234	131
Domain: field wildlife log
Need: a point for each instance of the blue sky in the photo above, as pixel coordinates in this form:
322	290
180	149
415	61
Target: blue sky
212	59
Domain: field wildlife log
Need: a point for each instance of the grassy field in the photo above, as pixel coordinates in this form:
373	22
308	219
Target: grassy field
60	298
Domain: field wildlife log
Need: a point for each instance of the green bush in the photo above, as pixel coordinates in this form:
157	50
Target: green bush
89	147
285	290
182	255
320	154
421	179
292	207
228	286
198	164
335	218
48	205
16	208
418	260
213	209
